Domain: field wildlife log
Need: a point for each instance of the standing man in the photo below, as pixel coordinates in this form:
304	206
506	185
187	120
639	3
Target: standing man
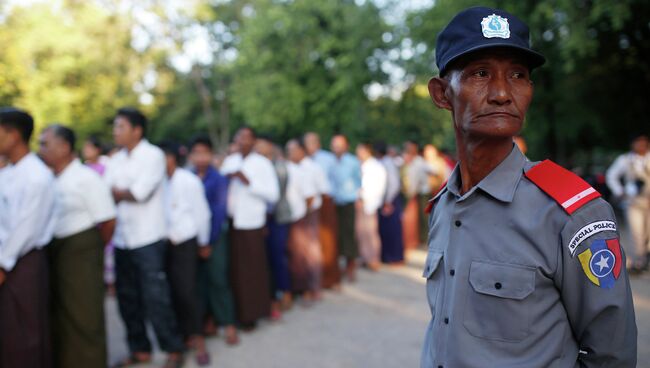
633	170
26	226
214	271
135	175
390	214
188	229
253	187
85	220
327	222
524	266
371	199
346	181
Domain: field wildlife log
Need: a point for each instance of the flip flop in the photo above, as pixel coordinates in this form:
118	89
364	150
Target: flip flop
203	359
132	360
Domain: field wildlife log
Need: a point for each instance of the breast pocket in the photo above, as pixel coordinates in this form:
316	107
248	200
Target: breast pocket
433	276
498	306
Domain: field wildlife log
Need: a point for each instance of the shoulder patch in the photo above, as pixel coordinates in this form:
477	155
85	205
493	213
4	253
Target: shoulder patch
602	262
429	206
568	189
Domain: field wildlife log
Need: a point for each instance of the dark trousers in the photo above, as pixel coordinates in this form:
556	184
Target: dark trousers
214	282
182	268
24	314
143	293
77	281
347	241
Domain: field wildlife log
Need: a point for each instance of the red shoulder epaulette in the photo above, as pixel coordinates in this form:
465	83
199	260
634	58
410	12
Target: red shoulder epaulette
429	206
565	187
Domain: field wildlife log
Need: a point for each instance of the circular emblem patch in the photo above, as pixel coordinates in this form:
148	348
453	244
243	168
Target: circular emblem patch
602	263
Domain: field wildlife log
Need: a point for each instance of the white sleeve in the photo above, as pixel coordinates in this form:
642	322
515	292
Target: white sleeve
31	214
201	210
263	182
152	173
98	199
615	173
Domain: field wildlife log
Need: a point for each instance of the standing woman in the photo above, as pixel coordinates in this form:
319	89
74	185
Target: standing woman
84	222
305	257
278	221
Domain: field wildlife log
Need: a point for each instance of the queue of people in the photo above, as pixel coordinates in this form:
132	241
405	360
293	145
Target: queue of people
187	246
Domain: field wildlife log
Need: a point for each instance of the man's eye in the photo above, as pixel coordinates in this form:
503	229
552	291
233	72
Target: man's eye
519	75
481	73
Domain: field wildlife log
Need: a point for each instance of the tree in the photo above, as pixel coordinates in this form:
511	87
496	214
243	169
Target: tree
303	65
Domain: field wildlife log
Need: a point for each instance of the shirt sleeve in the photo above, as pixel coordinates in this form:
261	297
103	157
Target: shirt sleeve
595	288
152	173
614	174
98	199
201	211
32	212
262	180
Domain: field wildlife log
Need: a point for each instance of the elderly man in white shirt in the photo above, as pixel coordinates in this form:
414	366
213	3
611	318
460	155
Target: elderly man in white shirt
188	227
136	175
26	226
253	187
327	220
629	180
371	199
85	220
304	194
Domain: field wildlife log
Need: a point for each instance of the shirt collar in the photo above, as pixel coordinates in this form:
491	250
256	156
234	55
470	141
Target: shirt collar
143	142
500	183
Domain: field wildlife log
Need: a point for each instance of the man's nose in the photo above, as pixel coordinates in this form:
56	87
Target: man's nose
499	92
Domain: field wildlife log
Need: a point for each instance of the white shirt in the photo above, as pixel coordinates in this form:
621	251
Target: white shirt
300	187
373	185
392	179
247	204
140	171
83	200
417	173
186	208
629	167
26	209
315	181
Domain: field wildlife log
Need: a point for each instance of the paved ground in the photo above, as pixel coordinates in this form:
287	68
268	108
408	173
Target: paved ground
377	322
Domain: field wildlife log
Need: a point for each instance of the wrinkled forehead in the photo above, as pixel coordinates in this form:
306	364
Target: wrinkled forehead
494	54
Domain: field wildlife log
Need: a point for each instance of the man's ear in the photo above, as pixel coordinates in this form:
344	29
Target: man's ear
437	90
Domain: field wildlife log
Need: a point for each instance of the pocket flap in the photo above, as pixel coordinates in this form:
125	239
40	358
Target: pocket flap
502	280
430	266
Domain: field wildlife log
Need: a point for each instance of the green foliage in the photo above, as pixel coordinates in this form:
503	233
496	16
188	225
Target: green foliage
303	65
288	66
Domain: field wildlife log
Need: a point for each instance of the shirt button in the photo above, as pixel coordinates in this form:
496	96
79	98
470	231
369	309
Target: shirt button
446	321
497	286
458	223
452	272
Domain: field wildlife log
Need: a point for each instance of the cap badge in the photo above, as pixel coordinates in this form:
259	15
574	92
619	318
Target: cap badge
495	26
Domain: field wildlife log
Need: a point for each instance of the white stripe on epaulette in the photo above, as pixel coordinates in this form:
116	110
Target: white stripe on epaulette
568	203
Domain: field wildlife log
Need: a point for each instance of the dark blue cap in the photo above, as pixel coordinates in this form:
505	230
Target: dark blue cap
479	28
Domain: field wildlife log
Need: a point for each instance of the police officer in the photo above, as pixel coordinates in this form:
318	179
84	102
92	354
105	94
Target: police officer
524	267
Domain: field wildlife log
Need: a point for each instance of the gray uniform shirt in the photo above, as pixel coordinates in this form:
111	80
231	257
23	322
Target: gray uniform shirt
506	290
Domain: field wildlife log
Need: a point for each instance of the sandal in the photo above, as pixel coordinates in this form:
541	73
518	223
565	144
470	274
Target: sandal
203	359
133	360
174	363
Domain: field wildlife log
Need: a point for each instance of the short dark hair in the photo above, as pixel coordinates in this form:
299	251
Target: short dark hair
172	148
249	128
64	133
202	140
19	120
134	117
96	142
381	148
